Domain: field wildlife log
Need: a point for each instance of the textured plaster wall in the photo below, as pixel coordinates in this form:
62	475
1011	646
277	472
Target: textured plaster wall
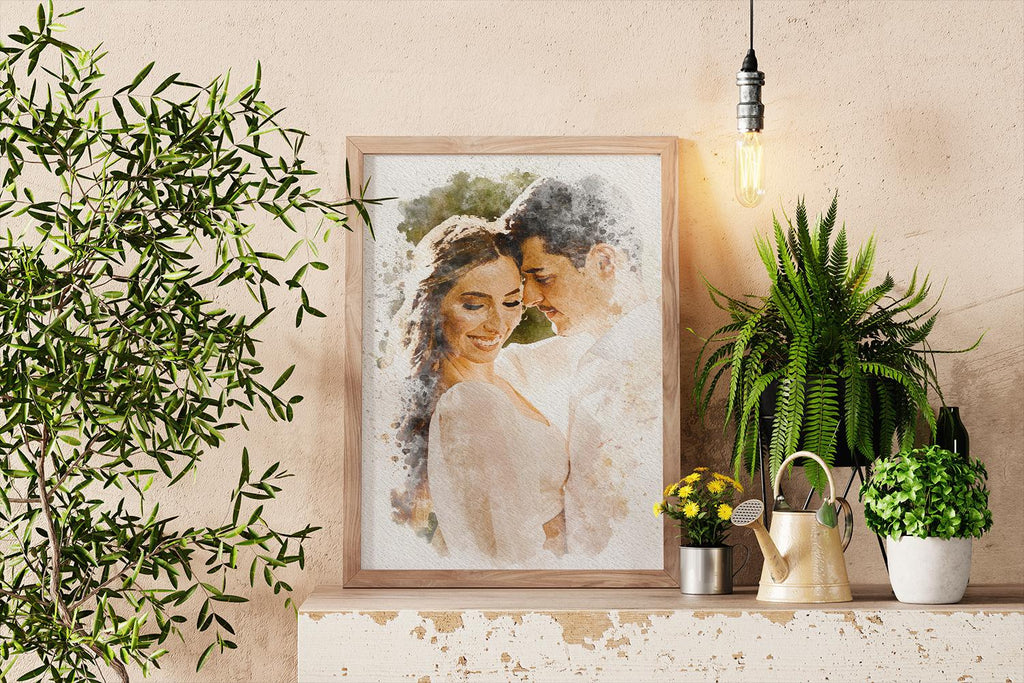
912	110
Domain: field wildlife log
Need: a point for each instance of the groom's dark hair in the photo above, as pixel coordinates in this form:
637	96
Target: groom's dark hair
571	219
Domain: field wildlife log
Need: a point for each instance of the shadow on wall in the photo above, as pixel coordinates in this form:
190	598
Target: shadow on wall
704	237
707	243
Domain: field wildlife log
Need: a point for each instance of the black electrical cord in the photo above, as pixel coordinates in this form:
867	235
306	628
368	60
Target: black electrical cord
750	61
751	24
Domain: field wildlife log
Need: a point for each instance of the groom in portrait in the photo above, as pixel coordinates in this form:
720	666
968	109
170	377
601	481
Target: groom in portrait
581	263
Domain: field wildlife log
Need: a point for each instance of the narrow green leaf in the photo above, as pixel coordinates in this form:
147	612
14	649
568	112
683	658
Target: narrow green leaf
283	378
206	655
141	76
166	83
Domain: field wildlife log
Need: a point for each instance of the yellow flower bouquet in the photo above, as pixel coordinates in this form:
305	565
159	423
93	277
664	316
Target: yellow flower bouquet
701	502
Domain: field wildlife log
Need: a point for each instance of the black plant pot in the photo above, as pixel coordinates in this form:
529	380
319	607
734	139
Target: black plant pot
844	458
766	422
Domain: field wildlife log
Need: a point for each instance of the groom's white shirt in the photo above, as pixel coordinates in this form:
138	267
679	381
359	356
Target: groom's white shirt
606	395
544	372
615	444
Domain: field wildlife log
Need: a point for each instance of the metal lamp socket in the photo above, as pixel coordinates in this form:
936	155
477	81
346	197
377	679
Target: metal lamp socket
750	111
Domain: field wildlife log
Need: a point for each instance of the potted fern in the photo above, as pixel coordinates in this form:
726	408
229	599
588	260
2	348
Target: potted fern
840	364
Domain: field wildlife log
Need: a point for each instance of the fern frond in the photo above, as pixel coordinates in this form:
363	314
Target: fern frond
821	418
796	253
861	303
738	352
788	307
705	401
746	448
973	346
854	383
865	428
913	336
796	377
813	269
825	227
703	390
777	446
912	298
931	373
752	401
916	392
863	266
802	226
839	259
885	315
908	429
793	279
887	417
717	296
815	475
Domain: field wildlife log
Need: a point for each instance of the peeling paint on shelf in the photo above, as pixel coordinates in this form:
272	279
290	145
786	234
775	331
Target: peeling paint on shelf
681	645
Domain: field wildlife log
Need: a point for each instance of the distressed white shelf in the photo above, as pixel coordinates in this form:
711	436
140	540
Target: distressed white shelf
434	635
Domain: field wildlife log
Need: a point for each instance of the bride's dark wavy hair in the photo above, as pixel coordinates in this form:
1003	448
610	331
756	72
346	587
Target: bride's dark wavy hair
447	253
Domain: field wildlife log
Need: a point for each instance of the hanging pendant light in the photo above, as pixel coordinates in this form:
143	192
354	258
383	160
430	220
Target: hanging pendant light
749	171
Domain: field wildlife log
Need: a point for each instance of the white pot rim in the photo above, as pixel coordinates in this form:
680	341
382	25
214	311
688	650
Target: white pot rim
932	538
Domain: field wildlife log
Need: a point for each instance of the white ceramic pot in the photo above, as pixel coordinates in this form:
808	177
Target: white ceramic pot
929	571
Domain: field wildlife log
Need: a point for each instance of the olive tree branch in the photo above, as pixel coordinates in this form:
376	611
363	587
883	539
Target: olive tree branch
15	596
62	609
51	531
126	568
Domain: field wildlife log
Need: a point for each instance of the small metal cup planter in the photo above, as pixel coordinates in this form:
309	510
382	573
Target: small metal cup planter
707	571
701	503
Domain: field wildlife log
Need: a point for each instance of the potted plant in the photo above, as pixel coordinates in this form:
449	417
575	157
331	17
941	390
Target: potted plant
837	366
136	219
928	503
701	503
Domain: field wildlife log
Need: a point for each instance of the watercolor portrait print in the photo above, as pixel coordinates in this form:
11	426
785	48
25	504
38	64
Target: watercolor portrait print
512	366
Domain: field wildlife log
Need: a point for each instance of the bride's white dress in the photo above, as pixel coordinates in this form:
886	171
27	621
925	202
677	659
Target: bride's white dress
495	477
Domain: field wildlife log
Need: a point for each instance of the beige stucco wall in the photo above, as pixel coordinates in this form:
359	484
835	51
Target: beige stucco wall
913	110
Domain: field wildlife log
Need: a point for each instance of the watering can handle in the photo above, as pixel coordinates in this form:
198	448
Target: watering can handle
847	522
746	556
824	467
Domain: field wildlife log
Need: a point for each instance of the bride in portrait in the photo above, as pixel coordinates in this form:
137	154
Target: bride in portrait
486	469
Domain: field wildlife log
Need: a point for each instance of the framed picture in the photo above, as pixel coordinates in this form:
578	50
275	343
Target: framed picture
512	362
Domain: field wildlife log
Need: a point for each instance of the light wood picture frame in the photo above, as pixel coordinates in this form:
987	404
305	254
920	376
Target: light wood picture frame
392	531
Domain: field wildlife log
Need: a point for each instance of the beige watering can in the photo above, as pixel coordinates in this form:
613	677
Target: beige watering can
803	556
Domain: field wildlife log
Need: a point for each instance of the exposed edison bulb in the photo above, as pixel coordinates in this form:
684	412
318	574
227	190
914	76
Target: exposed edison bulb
749	179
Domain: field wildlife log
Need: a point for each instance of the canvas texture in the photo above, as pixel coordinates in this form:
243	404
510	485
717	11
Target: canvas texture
512	363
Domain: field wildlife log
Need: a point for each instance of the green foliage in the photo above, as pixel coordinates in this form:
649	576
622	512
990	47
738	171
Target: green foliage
850	360
928	493
130	216
462	196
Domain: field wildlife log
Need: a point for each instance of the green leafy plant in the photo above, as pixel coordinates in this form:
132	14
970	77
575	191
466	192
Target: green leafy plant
928	493
133	227
701	503
849	360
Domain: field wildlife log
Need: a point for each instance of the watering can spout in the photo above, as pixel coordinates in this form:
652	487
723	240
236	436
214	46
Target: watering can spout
748	513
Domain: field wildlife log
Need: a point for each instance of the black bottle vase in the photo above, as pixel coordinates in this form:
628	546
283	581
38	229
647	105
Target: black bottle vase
951	433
